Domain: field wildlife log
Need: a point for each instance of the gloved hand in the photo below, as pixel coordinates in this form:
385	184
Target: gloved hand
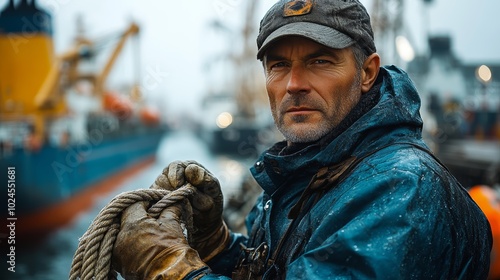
149	248
210	234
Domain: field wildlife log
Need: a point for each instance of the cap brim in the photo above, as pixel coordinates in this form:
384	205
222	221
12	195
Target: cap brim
319	33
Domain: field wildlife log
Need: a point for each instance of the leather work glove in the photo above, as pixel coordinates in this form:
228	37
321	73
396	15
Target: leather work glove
149	248
210	234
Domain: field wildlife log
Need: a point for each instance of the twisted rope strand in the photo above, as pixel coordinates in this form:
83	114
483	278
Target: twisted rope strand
92	259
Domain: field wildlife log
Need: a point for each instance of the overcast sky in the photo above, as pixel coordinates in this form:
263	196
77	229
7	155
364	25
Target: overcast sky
176	41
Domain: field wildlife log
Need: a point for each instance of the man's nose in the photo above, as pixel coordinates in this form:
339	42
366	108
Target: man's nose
297	81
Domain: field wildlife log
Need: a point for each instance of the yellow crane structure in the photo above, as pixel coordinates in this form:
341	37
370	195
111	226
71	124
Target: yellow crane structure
33	78
72	58
61	126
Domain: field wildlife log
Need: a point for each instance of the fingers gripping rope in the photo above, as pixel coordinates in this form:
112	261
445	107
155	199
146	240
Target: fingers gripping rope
92	259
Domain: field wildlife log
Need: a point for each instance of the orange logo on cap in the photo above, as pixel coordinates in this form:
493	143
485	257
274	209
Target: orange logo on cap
297	8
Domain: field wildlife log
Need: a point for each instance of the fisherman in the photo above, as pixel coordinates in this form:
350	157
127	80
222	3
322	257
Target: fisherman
352	191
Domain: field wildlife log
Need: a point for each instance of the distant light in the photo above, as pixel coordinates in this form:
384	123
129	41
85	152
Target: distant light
483	73
404	49
224	120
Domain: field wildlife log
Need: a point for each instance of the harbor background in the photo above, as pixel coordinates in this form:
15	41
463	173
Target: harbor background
50	258
184	49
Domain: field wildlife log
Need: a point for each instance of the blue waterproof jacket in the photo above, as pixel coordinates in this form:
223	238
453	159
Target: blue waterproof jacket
382	206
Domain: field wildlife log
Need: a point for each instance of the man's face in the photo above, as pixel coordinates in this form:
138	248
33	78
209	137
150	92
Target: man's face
311	87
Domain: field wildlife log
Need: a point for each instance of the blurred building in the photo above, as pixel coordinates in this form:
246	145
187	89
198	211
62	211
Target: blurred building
460	107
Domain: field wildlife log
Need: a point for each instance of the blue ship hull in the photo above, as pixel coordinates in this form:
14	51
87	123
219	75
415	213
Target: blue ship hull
52	176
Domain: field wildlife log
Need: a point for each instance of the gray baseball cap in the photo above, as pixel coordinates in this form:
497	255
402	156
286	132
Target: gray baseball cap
334	23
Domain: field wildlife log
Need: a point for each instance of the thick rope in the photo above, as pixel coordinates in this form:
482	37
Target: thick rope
92	259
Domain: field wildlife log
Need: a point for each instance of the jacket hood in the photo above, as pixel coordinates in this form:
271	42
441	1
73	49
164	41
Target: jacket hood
395	118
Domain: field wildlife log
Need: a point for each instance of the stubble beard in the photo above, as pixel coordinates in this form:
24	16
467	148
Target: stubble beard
330	117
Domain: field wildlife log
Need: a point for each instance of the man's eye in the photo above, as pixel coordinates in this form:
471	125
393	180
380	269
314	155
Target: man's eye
278	65
321	61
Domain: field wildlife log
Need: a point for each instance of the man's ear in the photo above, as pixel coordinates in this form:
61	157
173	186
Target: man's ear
369	73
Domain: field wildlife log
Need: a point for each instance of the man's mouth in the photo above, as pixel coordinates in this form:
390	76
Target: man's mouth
299	110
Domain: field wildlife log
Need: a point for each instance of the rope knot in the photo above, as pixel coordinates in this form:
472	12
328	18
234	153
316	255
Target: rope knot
92	259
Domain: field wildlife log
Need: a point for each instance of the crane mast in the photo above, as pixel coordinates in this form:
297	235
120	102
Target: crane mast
387	23
246	65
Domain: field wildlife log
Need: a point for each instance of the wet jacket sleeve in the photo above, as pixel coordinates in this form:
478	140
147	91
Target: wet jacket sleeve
223	264
395	225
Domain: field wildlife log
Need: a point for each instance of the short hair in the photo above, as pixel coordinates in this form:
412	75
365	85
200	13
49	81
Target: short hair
359	55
